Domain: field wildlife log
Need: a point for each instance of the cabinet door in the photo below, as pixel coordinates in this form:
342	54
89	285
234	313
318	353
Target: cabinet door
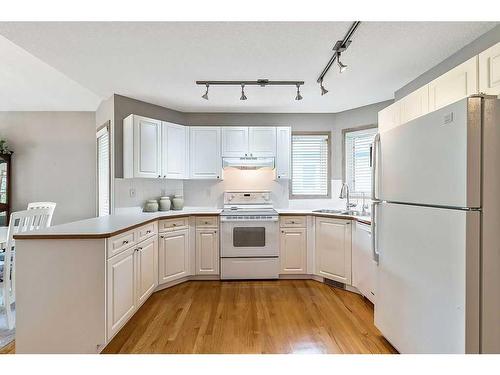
293	247
333	249
283	152
147	146
205	152
234	141
173	255
175	151
364	267
207	252
147	269
454	85
489	71
262	141
415	104
389	117
121	296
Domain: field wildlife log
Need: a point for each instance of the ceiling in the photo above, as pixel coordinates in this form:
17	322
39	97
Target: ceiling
75	65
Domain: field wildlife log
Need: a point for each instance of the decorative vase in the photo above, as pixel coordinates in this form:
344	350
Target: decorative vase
165	203
151	206
178	202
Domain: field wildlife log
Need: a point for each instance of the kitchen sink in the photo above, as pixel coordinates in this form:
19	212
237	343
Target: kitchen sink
342	212
327	211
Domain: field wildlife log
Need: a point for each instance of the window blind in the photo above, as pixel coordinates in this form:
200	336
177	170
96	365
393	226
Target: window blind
103	172
358	171
310	165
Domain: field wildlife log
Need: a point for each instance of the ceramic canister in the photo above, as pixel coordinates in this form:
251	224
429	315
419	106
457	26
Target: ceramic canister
151	206
165	203
178	202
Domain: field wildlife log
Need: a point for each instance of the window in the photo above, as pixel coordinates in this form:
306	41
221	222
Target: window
357	160
310	165
103	171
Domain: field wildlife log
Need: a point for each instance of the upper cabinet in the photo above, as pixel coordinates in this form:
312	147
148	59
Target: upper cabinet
262	141
235	141
205	152
175	151
389	117
489	71
415	104
454	85
141	147
239	141
283	152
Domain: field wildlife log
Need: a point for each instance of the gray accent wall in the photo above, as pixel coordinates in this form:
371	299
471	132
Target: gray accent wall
54	160
485	41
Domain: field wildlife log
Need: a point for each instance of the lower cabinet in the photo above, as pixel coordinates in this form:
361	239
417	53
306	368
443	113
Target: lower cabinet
173	255
207	252
131	279
333	249
364	268
293	251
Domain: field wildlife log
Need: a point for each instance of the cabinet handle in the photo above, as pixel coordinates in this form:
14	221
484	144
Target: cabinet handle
162	236
246	155
165	176
174	225
279	176
125	242
139	248
218	177
282	231
293	222
148	231
159	176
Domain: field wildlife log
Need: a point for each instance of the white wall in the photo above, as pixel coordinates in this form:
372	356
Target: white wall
54	160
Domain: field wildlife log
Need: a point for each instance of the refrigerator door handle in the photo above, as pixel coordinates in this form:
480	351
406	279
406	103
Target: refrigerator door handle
376	142
375	253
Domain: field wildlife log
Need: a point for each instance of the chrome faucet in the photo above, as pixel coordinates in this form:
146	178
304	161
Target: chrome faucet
344	194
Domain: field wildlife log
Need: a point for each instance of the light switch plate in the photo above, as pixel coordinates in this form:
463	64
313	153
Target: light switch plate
132	193
448	118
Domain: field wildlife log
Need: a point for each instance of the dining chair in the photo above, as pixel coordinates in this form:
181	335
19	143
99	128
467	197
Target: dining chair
21	221
50	205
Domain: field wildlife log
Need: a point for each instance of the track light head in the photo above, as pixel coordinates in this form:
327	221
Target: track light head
323	90
298	97
205	95
342	67
243	96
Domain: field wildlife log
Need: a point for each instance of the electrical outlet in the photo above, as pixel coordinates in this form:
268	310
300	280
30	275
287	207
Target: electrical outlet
132	193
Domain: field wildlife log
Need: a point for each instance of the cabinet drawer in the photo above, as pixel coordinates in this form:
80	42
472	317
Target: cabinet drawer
121	242
293	221
173	224
147	231
207	222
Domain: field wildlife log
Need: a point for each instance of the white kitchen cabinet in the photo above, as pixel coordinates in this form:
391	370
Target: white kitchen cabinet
364	268
262	141
333	249
173	255
205	152
389	117
489	71
293	251
175	151
141	147
415	104
283	152
454	85
207	251
121	295
235	141
147	269
132	278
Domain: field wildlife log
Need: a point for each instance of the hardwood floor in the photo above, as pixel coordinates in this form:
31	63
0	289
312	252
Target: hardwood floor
10	348
284	316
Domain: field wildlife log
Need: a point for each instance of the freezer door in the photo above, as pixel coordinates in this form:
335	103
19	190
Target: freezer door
428	278
434	159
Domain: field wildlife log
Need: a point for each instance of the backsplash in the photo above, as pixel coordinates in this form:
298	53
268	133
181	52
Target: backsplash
145	189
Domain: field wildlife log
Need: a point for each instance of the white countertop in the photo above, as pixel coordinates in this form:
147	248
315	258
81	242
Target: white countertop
291	211
108	225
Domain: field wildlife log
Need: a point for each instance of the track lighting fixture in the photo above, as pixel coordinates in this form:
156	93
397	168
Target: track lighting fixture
298	97
339	47
342	67
323	90
243	96
205	95
259	82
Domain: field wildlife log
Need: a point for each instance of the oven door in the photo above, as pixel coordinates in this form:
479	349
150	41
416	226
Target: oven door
249	238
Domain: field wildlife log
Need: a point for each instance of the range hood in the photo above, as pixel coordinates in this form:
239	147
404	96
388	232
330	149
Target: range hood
248	163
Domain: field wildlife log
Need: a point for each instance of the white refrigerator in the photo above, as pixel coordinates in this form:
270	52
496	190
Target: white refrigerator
436	225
